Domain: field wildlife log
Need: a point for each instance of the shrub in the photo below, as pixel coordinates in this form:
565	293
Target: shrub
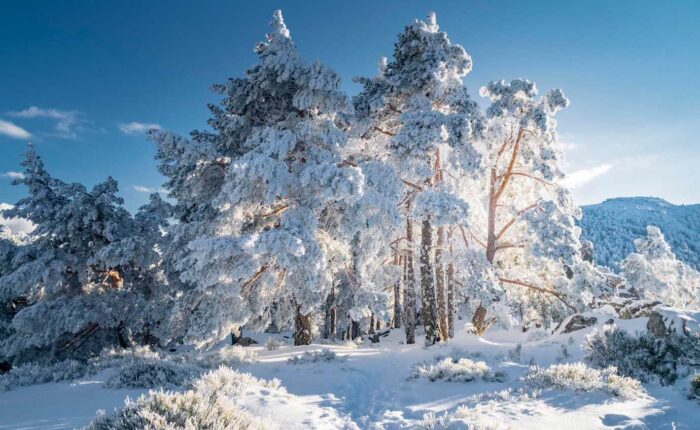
579	377
272	344
643	357
210	404
462	418
315	356
30	374
230	356
694	389
144	373
455	370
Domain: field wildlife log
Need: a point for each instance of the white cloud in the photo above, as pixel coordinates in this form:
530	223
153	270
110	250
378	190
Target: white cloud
16	225
581	177
67	122
144	189
9	129
13	175
137	127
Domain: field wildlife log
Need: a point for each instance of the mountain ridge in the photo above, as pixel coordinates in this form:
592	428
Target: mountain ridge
613	225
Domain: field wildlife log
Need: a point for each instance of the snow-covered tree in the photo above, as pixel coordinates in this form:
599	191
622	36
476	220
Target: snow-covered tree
83	277
417	116
260	197
526	224
655	273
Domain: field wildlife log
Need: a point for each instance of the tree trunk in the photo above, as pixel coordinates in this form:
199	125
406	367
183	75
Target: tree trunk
371	324
428	285
479	321
396	321
236	334
123	335
302	323
491	234
329	325
450	301
440	286
409	287
355	333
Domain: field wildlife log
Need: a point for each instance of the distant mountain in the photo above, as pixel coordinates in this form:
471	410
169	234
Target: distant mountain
613	225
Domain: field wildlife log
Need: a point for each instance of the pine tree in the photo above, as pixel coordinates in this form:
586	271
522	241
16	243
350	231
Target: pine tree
417	110
529	234
80	276
655	273
263	194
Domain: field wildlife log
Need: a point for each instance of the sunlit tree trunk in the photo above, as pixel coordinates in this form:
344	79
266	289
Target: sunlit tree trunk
409	280
428	285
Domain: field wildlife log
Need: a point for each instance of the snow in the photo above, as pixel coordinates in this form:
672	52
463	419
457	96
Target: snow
369	386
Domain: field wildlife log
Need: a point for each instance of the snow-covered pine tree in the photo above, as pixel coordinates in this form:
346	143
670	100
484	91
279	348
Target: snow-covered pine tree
260	198
655	273
80	281
528	229
414	113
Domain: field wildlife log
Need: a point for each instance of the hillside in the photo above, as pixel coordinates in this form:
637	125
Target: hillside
613	225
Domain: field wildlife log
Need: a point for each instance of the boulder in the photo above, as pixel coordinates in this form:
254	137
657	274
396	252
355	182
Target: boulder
575	322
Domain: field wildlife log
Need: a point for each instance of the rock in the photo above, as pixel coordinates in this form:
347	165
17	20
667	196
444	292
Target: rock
374	338
638	308
5	367
575	322
246	341
666	320
656	325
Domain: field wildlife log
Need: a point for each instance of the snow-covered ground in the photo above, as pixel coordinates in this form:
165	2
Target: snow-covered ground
369	386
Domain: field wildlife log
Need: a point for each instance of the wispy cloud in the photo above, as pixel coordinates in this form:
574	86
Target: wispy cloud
581	177
13	175
137	127
12	130
68	122
16	225
149	190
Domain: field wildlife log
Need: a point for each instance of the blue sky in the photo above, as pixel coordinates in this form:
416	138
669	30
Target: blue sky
74	73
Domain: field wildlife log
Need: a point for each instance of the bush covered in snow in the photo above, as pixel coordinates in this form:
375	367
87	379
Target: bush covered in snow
30	374
694	388
210	404
315	356
273	344
455	370
152	374
644	357
462	418
231	356
579	377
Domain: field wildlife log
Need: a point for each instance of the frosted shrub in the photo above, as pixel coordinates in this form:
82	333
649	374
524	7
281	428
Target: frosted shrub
643	357
112	357
579	377
30	374
315	356
273	344
694	388
210	404
230	356
152	374
455	370
462	418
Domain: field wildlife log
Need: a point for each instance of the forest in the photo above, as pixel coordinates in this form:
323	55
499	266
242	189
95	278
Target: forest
417	210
